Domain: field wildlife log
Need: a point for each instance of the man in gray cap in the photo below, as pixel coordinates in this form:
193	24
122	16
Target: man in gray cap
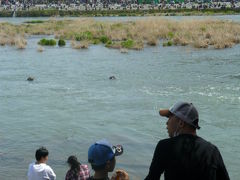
185	155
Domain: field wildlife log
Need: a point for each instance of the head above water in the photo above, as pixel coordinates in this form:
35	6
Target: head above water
41	155
182	118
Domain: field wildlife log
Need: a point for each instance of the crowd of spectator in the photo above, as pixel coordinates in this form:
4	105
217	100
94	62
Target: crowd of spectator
116	5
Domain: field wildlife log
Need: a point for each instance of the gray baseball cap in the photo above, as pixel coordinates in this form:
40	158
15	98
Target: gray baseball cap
184	111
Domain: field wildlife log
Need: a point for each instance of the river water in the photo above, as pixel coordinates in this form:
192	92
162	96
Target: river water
72	102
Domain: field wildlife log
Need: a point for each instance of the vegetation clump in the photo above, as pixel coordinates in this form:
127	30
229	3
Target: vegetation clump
77	45
104	39
169	43
87	35
47	42
96	41
128	44
34	22
61	42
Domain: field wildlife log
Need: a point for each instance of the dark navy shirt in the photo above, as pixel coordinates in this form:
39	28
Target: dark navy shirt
187	157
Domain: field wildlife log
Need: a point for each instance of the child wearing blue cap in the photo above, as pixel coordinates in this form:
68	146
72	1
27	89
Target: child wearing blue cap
101	156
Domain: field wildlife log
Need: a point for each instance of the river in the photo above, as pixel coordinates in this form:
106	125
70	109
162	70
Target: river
72	103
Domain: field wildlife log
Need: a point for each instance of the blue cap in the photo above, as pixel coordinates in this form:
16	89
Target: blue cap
102	151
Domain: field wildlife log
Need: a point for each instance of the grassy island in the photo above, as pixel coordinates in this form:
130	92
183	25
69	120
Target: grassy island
128	35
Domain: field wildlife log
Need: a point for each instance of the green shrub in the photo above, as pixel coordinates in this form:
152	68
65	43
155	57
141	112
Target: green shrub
170	35
203	29
127	44
4	13
104	39
47	42
87	35
96	41
61	42
34	22
169	43
109	43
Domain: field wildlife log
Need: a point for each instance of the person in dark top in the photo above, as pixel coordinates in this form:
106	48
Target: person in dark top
101	156
185	155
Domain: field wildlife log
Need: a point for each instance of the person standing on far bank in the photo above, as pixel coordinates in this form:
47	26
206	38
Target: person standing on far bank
39	170
185	155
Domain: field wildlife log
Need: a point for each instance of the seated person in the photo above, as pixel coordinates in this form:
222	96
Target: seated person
77	170
101	156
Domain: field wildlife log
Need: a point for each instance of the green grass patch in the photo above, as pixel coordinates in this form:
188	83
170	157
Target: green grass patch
47	42
96	41
34	22
104	39
87	35
128	44
169	43
203	29
109	43
170	35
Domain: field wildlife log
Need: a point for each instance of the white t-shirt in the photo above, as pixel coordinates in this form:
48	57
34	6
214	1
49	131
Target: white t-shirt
40	172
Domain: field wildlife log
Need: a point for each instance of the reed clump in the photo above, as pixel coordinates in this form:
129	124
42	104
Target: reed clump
20	43
204	33
47	42
81	45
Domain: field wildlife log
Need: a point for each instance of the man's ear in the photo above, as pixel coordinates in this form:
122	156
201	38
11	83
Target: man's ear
107	165
181	123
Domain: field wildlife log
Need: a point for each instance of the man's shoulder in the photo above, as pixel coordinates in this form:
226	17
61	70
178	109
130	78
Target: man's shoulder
206	143
31	164
199	140
164	143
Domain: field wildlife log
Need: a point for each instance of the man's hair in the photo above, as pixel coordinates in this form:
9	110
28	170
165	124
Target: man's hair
42	152
100	167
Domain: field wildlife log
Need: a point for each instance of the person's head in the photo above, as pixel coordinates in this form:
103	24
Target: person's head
74	165
182	118
101	156
73	162
41	155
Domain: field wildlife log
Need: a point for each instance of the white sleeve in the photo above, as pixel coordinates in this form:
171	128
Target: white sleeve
49	174
29	171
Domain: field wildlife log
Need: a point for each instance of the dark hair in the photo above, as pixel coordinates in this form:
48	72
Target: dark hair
101	167
42	152
74	165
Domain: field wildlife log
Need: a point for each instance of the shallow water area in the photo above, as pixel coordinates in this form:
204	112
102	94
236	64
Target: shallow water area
19	20
72	103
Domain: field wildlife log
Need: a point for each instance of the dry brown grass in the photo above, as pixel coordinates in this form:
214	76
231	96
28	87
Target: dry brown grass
123	50
79	45
20	43
196	33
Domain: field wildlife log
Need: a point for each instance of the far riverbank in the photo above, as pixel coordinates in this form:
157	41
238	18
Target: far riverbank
121	13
